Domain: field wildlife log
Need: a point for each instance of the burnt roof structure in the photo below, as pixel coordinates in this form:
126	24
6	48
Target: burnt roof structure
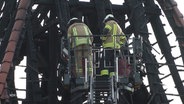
37	29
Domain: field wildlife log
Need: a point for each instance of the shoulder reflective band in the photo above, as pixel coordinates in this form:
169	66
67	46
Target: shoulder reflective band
74	34
87	34
86	30
74	31
108	27
114	29
114	34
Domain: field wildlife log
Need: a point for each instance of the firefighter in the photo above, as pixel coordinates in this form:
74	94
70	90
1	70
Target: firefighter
112	39
80	38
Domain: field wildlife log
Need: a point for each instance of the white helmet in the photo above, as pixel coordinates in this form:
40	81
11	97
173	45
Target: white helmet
108	16
74	18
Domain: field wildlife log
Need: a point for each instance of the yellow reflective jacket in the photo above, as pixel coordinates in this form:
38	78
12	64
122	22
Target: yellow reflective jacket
78	34
115	37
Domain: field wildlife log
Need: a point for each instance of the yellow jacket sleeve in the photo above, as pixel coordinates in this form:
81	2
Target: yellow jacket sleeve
106	31
122	39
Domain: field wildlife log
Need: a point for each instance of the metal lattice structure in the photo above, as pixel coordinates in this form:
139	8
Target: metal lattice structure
37	29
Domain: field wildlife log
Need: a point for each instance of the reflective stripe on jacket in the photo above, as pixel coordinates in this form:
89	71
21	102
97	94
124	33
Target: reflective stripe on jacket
79	33
115	37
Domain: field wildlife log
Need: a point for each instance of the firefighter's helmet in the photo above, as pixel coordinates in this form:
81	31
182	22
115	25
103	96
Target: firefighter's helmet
108	17
71	20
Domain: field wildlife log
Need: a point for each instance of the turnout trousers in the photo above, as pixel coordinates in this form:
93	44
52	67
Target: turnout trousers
81	53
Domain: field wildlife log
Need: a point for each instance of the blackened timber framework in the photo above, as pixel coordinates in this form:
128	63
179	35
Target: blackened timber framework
41	37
